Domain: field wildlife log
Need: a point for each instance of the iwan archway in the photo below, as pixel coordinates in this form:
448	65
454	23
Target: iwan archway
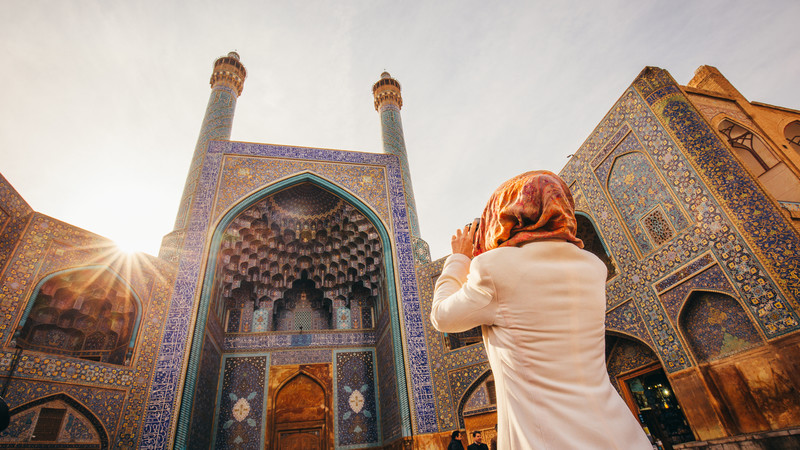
300	279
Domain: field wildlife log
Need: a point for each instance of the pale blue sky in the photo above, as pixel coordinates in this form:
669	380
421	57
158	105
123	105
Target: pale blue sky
103	100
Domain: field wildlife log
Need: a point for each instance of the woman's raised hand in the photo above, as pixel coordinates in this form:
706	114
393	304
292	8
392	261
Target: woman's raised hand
462	241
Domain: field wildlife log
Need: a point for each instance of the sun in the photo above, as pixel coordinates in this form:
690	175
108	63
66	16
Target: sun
129	245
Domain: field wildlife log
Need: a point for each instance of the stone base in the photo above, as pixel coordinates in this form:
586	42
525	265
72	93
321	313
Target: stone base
786	439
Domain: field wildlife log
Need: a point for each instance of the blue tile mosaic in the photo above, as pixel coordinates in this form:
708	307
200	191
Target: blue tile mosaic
240	416
161	405
356	400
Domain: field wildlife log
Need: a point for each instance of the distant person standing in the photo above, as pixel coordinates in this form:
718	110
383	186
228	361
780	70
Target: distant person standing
477	444
493	441
540	301
455	441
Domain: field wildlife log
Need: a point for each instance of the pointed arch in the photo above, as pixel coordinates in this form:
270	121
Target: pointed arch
82	316
650	213
73	403
614	337
187	399
304	415
625	354
295	378
462	402
715	325
615	333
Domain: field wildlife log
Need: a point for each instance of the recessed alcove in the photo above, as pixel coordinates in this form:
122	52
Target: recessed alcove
302	259
87	313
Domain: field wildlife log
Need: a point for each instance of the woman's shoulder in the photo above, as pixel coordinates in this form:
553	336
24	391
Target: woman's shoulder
538	250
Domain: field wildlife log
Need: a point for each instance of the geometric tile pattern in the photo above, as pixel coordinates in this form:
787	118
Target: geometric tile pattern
465	364
636	189
217	124
15	216
50	246
394	144
711	278
715	325
205	400
626	319
772	237
162	405
718	198
241	407
356	400
691	268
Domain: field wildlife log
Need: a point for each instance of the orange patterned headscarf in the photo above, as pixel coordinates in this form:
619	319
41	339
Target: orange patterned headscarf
529	207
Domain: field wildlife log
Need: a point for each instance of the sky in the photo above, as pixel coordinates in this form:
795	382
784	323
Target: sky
103	100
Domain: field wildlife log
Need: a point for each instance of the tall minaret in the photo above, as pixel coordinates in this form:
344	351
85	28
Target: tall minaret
227	81
388	103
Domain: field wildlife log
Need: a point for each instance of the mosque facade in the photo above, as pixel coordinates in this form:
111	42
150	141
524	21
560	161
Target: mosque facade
288	308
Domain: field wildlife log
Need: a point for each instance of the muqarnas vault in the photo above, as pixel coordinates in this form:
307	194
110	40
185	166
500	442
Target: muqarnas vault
288	308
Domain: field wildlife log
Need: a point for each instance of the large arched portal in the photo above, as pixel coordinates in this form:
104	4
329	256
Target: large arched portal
298	277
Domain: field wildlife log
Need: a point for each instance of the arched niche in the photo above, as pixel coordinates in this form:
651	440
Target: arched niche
592	242
54	421
477	384
626	353
748	146
637	374
89	313
792	134
644	202
715	325
300	414
361	267
482	397
478	408
300	259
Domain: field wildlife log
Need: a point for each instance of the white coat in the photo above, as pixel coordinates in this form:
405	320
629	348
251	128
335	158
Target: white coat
542	311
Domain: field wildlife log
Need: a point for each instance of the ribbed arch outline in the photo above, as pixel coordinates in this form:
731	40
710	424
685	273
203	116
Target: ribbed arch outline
747	144
792	134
